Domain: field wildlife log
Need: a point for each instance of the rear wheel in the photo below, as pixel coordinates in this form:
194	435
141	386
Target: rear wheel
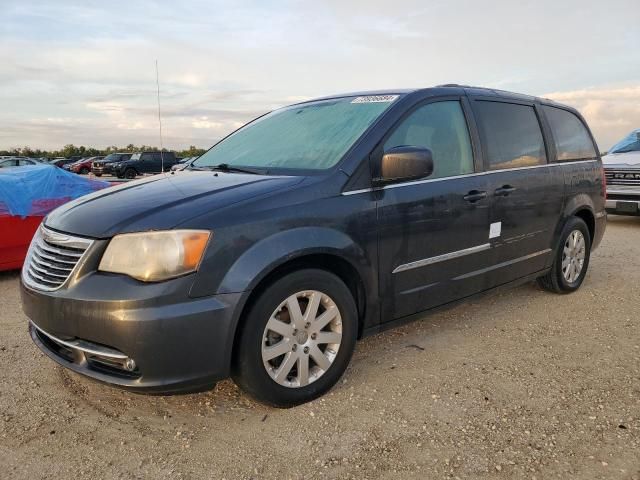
571	259
297	339
129	173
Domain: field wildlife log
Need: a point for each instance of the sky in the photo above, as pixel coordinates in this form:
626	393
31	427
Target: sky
83	72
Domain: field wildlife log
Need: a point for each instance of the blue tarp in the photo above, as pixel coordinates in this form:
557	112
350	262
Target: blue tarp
37	189
630	143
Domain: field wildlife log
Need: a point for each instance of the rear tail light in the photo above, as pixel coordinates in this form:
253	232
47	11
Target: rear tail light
604	181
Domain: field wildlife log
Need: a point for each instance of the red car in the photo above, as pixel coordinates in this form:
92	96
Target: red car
83	166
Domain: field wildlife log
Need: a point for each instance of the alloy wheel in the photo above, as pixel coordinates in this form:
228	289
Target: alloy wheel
573	256
302	338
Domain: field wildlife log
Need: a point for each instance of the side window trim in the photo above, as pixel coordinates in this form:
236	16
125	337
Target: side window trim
545	129
474	134
377	152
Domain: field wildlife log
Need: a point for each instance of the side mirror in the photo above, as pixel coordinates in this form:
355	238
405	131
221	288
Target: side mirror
404	163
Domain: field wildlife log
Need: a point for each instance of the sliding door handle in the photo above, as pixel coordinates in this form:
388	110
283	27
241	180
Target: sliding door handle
475	196
504	191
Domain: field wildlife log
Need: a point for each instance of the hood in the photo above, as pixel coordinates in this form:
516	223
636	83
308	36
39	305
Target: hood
160	202
622	159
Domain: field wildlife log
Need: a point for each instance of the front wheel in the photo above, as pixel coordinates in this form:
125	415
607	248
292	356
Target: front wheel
129	173
297	338
571	259
84	171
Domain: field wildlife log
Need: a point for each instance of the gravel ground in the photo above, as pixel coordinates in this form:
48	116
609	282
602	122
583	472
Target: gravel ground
523	384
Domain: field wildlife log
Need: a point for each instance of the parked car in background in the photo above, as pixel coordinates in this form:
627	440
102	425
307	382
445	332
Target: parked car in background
61	162
318	224
72	160
17	162
184	163
144	162
83	166
622	167
104	166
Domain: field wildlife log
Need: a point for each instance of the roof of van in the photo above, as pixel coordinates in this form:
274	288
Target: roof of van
441	89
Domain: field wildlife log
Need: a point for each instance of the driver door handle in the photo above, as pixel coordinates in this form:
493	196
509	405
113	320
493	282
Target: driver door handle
475	195
504	191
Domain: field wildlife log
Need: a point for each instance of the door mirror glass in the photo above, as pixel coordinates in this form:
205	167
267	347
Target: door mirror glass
404	163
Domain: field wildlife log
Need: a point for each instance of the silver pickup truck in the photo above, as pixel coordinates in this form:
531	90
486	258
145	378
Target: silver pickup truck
622	170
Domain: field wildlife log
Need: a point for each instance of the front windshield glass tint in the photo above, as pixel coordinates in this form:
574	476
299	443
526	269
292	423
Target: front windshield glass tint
309	136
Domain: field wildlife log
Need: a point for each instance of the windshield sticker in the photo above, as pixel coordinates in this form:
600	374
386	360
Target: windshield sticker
375	99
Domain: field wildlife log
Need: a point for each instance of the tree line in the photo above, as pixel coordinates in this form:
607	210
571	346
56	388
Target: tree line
71	150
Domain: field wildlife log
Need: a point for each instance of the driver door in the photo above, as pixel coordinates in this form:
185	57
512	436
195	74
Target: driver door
433	233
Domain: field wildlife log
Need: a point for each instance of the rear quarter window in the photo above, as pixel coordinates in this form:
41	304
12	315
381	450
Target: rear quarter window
571	138
511	135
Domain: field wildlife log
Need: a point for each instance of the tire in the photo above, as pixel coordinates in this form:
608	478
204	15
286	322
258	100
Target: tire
279	379
129	173
84	171
563	279
120	176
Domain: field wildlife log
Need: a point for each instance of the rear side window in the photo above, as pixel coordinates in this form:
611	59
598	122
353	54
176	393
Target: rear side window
511	135
442	128
570	135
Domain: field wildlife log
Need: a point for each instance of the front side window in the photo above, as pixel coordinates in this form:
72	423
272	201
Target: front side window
313	136
511	135
442	128
570	135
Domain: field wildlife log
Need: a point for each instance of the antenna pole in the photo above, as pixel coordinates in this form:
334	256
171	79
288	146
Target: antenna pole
159	118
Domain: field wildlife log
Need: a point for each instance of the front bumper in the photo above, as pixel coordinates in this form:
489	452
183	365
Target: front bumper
177	343
104	169
623	206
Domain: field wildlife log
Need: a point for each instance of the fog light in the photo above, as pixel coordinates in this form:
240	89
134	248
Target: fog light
129	364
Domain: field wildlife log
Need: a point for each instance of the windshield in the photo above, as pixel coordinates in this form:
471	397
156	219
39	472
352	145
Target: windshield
630	143
112	157
313	135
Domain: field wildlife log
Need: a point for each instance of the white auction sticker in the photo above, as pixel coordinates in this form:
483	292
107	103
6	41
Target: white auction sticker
375	99
495	229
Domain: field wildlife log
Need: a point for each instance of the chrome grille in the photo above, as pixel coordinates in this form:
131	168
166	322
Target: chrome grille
52	258
622	176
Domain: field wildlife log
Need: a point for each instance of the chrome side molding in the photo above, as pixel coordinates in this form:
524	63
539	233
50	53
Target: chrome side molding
441	258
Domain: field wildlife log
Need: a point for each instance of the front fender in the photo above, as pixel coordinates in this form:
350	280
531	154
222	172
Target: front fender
271	252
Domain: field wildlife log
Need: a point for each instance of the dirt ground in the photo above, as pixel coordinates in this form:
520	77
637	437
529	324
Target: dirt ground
522	384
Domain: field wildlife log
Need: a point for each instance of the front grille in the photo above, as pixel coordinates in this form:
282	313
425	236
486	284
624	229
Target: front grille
52	258
622	176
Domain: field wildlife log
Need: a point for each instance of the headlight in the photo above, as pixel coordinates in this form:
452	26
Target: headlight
155	256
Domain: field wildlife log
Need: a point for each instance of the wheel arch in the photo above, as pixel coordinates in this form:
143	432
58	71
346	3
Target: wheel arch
324	250
589	218
581	206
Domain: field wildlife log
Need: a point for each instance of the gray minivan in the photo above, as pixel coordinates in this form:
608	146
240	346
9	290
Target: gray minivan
308	228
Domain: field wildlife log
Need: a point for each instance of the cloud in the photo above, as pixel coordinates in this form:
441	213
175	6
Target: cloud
93	63
611	112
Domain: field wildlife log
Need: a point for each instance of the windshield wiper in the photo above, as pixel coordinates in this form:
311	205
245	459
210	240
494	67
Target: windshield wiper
225	167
